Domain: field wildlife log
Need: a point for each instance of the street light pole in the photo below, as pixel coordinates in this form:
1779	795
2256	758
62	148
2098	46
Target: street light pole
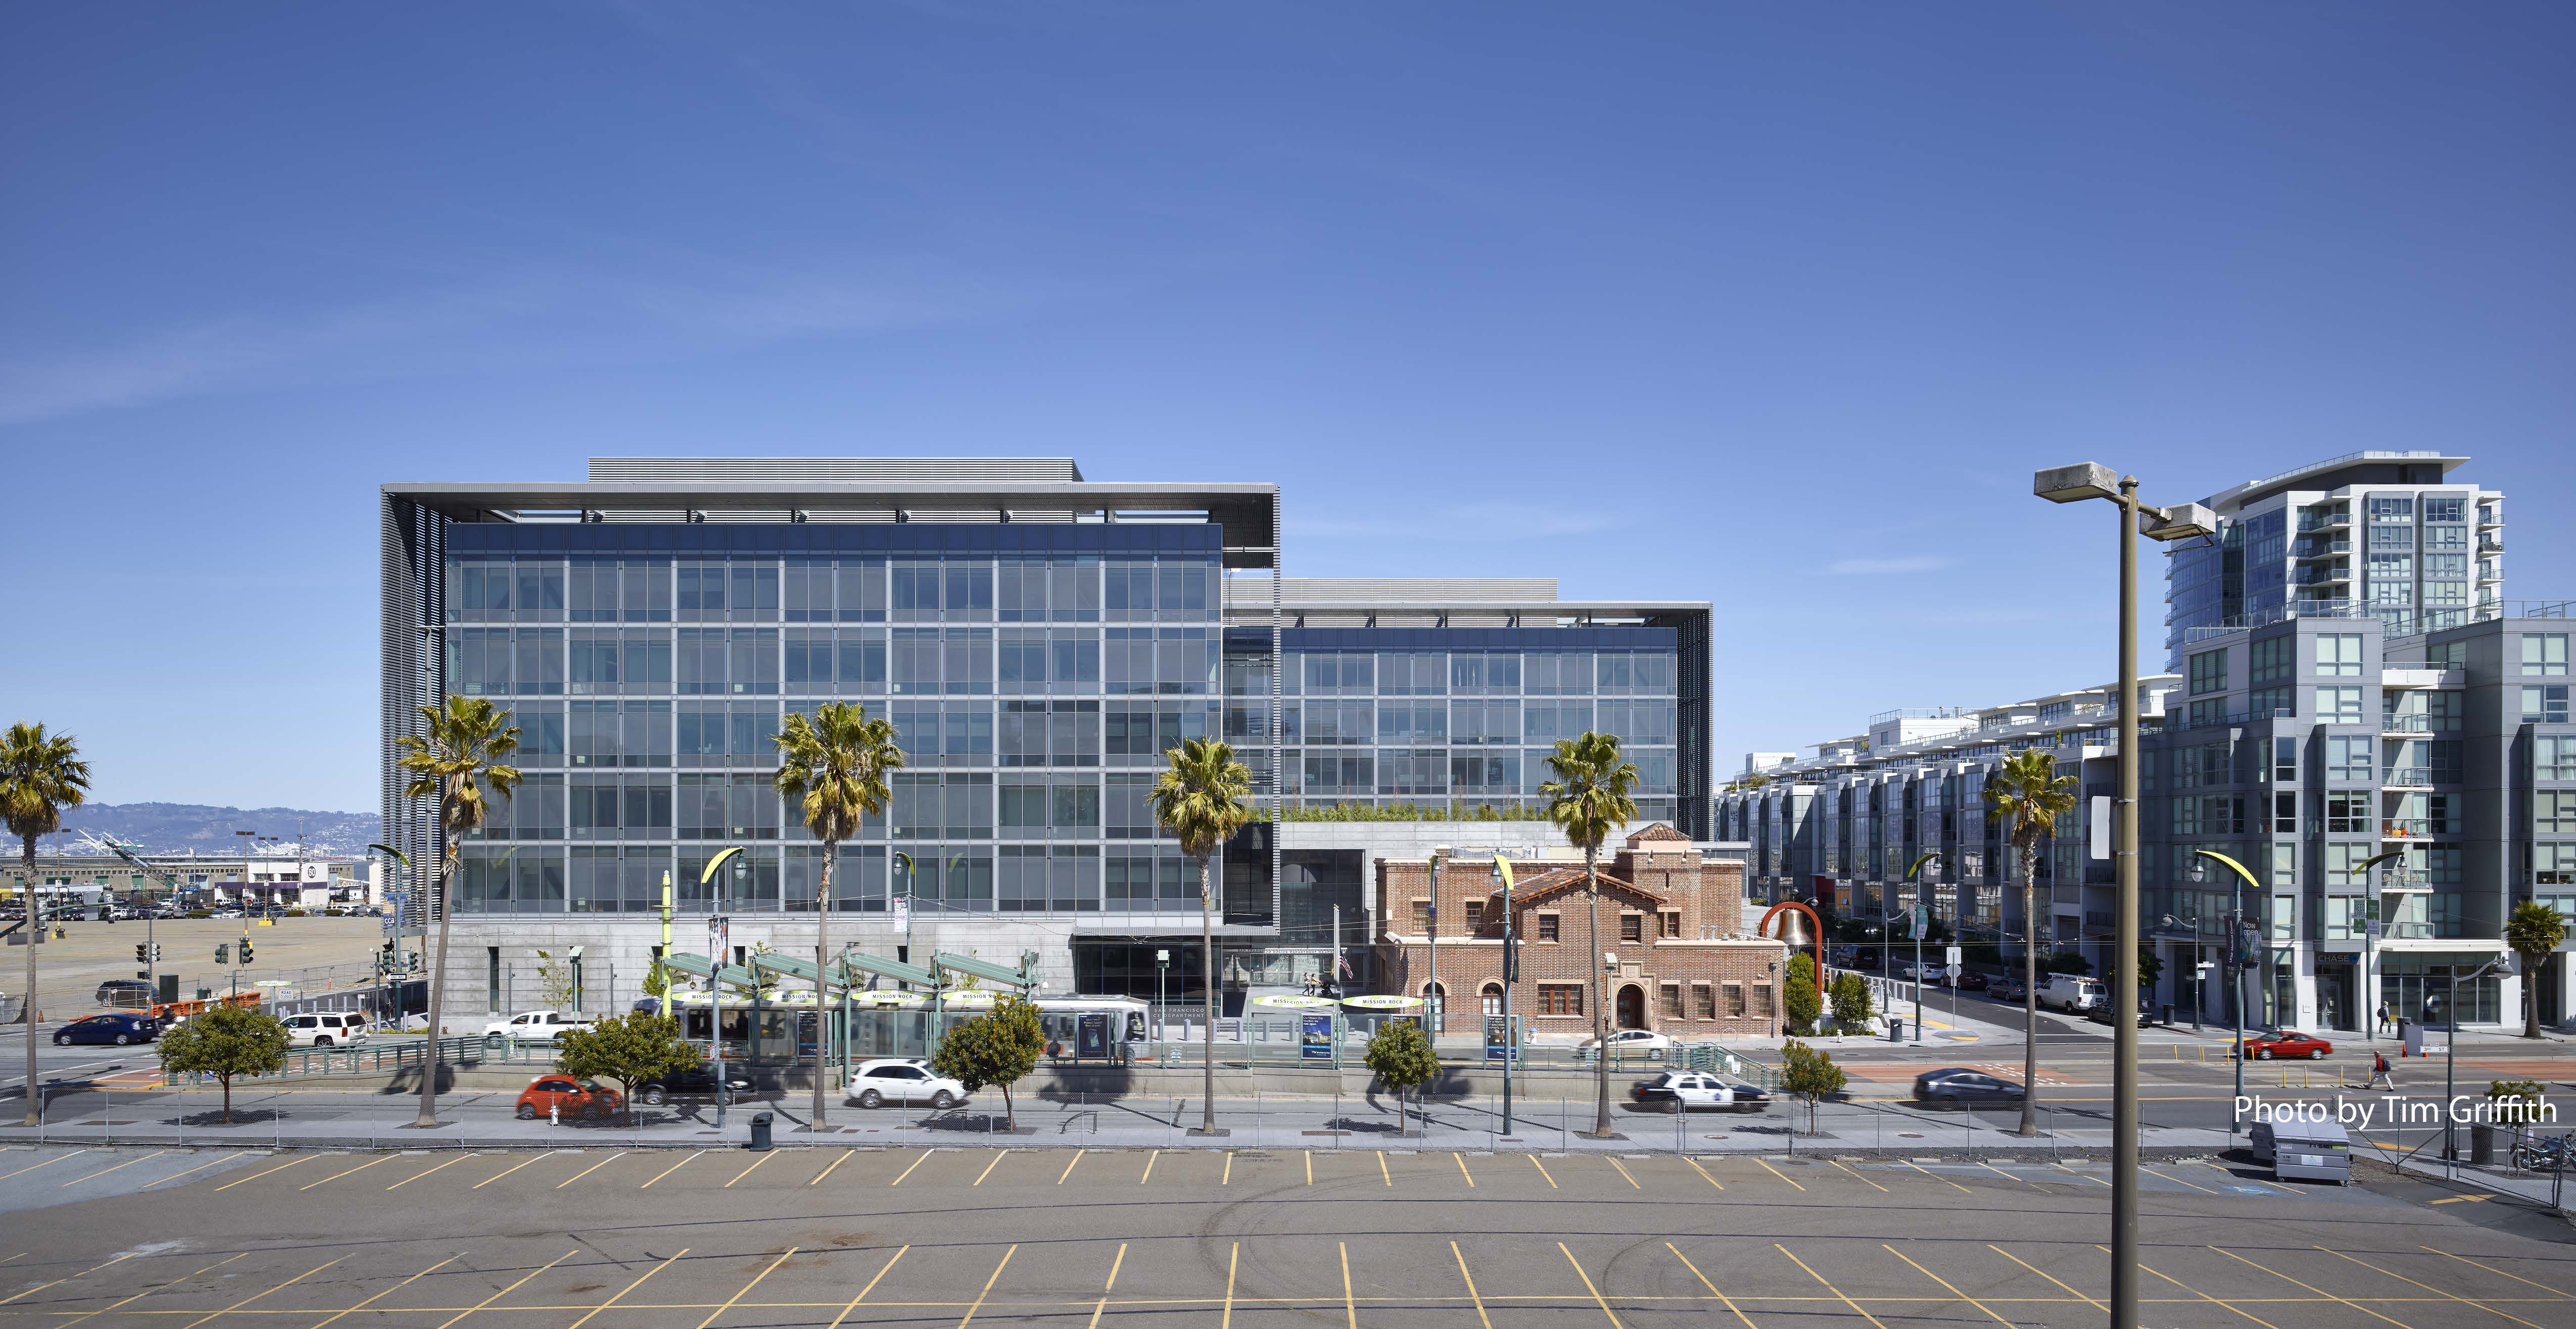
2068	484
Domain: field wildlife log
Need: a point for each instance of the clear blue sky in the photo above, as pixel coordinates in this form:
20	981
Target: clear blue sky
1773	306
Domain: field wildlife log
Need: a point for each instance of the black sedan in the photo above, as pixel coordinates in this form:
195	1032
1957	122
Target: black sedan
2100	1013
697	1083
116	1027
1958	1085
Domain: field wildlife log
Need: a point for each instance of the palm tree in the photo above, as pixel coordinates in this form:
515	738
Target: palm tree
2533	930
39	777
833	767
1588	800
455	759
2027	791
1199	800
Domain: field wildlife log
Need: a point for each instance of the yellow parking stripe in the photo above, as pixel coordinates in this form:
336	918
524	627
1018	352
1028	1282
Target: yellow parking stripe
2493	1270
192	1324
4	1176
1228	1178
925	1157
508	1170
64	1279
1115	1262
1542	1171
749	1170
818	1177
1856	1172
2401	1324
1068	1165
1310	1167
2194	1185
988	1167
450	1321
995	1277
1695	1167
1150	1160
668	1171
1596	1292
1785	1177
621	1292
1934	1175
392	1290
592	1168
1463	1172
1838	1292
1712	1287
346	1171
863	1292
2052	1277
2428	1287
719	1311
265	1171
126	1164
2267	1324
418	1175
1472	1295
1233	1252
1632	1181
1945	1284
149	1290
1350	1306
1381	1168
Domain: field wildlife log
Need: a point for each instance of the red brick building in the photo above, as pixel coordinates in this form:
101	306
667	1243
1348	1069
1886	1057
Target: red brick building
1673	921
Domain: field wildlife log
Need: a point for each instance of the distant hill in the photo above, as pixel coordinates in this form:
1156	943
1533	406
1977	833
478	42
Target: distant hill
178	828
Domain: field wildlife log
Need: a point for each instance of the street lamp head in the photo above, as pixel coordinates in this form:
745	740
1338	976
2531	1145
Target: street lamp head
2073	484
2182	521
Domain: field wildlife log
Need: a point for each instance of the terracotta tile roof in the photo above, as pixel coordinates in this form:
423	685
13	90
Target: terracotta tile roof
1658	831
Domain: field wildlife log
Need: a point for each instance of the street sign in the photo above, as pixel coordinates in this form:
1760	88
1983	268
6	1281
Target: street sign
1498	1037
903	911
1952	959
2370	929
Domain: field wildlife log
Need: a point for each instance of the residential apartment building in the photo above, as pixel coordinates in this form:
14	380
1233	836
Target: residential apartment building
2304	733
1038	640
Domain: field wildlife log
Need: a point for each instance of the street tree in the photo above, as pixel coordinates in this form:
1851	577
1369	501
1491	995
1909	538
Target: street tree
2532	931
1852	1006
2027	792
999	1048
832	769
629	1048
1402	1059
224	1042
1811	1075
1588	800
40	775
554	981
458	758
1199	801
1800	1002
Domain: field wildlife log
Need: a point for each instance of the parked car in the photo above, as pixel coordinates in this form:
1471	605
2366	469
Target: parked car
1972	981
117	1027
534	1026
1629	1042
125	994
2071	993
895	1080
1957	1085
2007	989
2100	1013
572	1098
2286	1043
699	1082
322	1029
1681	1091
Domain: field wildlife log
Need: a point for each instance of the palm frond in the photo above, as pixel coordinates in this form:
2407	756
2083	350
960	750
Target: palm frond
1590	796
40	775
1200	796
833	765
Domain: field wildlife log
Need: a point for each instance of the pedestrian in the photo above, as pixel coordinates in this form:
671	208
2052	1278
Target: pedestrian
2381	1018
2379	1075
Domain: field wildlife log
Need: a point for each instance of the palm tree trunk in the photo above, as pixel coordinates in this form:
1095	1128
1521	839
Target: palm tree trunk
27	997
1601	983
822	983
1207	962
2530	993
2029	990
428	1115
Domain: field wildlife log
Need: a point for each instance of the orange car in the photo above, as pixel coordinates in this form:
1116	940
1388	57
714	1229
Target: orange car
573	1098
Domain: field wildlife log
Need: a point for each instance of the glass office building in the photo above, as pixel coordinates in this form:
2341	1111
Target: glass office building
1038	642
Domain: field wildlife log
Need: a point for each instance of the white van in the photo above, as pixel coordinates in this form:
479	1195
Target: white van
321	1029
2071	993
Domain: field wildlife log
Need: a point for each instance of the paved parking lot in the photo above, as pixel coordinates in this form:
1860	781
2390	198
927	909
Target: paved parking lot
667	1239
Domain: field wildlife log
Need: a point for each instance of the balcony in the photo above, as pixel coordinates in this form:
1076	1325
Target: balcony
2320	576
2488	544
2417	828
2405	726
2315	519
2407	777
2321	548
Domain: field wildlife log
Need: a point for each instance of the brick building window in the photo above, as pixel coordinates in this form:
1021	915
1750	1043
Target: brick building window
1475	915
1703	1001
1762	1001
1560	999
1547	927
1422	916
1672	1003
1632	927
1670	922
1735	1001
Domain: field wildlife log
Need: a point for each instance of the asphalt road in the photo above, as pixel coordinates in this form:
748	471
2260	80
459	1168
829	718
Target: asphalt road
724	1239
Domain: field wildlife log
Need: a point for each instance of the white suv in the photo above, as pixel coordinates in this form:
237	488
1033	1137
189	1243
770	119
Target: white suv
321	1029
893	1080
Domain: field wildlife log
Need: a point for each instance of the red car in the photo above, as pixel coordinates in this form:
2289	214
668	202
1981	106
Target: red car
2286	1043
573	1098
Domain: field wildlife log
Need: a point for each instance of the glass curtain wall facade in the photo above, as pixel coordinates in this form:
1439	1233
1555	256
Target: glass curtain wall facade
1034	674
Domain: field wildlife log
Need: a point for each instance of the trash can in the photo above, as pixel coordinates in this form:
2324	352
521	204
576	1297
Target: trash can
759	1132
2482	1144
1896	1029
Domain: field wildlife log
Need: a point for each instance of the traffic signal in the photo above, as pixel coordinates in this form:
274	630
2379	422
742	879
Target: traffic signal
245	950
156	952
223	952
142	953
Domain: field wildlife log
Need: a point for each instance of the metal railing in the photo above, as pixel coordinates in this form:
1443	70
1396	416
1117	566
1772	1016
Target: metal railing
2403	828
2407	777
2406	724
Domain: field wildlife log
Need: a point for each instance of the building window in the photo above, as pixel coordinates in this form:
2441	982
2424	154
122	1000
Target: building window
2553	812
1762	1001
2544	653
2392	510
2209	672
2271	660
1560	999
2285	814
1547	927
1672	923
2352	757
1490	1000
2553	757
1704	1001
1734	1001
2544	703
2285	761
2348	812
2338	705
2339	654
2553	864
1422	916
1672	1001
1632	927
1475	915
